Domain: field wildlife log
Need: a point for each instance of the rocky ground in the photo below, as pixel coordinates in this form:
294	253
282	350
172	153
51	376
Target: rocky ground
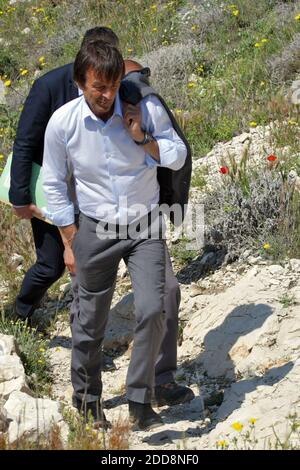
243	339
241	335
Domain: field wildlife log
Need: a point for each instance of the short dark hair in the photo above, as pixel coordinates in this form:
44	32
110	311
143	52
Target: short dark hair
101	33
104	58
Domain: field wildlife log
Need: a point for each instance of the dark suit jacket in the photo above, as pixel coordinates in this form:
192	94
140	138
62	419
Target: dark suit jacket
48	93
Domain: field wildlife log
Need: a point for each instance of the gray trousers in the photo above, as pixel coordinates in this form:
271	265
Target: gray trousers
97	263
166	363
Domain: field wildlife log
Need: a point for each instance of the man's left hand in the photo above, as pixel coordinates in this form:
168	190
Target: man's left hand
133	121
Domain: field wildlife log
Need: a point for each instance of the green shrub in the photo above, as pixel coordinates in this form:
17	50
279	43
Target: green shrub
33	353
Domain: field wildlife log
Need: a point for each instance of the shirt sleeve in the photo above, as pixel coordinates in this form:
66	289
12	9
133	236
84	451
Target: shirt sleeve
55	174
172	150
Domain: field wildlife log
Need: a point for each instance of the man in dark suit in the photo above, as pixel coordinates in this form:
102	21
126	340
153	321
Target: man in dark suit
49	93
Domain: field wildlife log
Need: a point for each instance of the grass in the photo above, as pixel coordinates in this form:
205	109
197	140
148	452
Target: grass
81	436
33	353
287	300
182	256
233	80
245	437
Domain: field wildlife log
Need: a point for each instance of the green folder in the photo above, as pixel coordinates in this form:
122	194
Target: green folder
36	187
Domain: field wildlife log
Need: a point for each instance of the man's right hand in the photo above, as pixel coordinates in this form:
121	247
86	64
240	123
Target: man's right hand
69	260
68	233
28	212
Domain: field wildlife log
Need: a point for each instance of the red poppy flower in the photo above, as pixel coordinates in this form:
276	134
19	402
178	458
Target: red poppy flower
272	158
224	170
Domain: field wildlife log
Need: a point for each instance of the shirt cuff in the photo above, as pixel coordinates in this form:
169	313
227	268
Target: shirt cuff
172	155
62	217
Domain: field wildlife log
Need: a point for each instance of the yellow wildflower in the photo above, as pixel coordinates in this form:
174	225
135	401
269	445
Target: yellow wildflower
40	361
192	84
153	7
258	44
237	426
222	444
129	50
236	12
253	420
87	428
266	246
292	122
41	59
194	27
154	30
7	83
42	350
178	111
262	83
24	72
265	40
252	124
297	17
1	156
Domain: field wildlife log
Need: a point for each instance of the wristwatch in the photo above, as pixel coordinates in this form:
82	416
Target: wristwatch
146	140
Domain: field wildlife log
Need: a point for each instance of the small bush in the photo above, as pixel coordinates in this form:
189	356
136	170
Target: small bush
170	68
15	237
33	353
285	65
254	207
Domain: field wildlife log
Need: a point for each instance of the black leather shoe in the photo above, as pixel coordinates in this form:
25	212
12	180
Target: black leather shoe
172	394
107	363
92	410
143	417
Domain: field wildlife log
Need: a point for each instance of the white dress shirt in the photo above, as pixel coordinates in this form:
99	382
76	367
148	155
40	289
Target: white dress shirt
112	174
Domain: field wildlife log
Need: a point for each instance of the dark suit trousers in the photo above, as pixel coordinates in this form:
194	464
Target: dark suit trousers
47	269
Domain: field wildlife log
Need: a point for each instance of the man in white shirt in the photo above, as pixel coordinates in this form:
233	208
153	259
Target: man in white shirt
113	155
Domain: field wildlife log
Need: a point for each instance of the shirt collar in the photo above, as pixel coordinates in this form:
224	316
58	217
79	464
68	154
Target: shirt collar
87	112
